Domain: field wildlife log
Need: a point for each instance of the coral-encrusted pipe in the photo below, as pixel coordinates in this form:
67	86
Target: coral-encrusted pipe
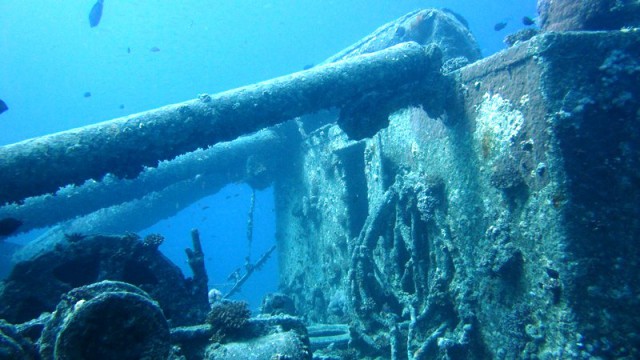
125	145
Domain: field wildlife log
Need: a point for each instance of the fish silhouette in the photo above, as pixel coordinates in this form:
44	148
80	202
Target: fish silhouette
3	107
499	26
96	13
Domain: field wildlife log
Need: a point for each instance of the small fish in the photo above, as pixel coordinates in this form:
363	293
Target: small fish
499	26
96	13
87	94
154	49
8	226
307	67
121	106
3	107
528	21
128	50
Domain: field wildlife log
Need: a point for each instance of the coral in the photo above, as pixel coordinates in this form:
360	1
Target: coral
152	241
498	123
228	319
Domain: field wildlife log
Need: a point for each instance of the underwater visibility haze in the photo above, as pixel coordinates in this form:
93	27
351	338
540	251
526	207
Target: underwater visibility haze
282	179
72	64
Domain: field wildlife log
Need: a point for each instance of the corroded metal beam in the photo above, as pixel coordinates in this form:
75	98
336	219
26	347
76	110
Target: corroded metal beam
183	180
124	146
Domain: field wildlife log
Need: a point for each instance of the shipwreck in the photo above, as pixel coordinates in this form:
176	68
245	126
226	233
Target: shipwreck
430	204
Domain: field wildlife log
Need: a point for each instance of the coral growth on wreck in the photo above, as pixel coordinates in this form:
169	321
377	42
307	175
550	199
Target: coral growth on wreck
228	319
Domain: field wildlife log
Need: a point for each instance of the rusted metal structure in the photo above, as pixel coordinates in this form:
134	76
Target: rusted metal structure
451	209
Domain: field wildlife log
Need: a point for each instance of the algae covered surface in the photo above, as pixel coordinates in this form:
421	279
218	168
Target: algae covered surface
422	202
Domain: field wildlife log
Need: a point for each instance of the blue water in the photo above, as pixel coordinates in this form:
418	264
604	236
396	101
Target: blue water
221	220
146	54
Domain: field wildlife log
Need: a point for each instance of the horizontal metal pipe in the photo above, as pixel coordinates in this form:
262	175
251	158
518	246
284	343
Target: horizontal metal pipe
192	176
124	146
